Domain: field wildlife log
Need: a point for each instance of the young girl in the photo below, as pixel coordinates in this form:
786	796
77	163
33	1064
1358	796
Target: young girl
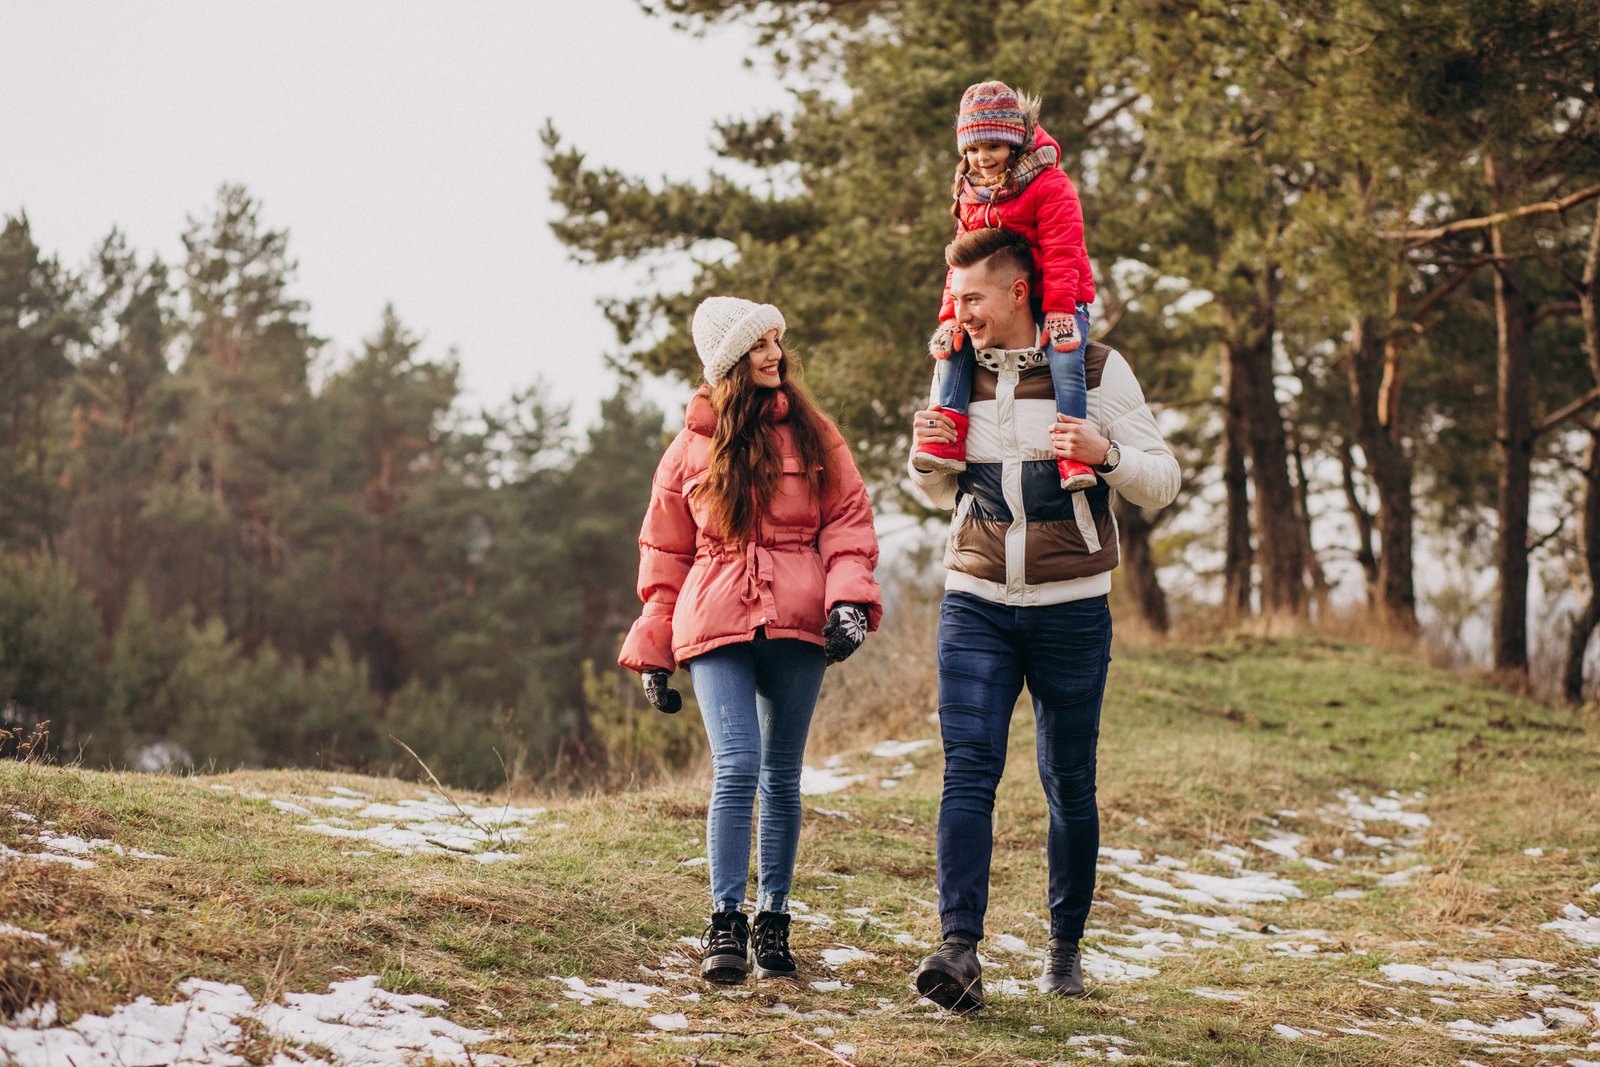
755	568
1010	177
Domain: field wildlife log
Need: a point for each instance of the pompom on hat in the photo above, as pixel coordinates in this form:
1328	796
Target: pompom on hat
725	328
990	111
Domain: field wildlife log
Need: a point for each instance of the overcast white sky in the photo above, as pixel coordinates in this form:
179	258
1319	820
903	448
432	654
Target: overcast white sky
397	140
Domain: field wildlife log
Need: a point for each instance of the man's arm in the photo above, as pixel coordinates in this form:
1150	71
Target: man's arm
1148	474
939	488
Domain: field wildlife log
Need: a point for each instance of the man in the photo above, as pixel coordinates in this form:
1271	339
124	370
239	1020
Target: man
1029	566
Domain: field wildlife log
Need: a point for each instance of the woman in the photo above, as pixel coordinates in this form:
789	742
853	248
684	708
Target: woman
755	568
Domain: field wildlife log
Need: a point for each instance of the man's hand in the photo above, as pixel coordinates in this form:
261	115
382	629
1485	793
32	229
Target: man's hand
948	338
1061	332
1072	438
664	699
931	426
846	629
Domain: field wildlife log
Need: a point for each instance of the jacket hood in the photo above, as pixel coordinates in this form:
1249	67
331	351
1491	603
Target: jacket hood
701	417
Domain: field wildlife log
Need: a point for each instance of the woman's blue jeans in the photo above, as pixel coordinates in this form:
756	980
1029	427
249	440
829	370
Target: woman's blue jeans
986	652
756	700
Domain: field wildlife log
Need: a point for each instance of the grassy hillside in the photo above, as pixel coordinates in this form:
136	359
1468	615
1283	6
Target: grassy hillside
1313	853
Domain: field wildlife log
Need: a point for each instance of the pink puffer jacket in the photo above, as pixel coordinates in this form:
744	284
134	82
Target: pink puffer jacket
701	592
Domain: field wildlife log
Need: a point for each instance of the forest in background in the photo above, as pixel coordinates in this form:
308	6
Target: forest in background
1351	249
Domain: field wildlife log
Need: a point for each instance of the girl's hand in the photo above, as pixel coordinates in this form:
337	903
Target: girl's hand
1072	438
946	339
1061	331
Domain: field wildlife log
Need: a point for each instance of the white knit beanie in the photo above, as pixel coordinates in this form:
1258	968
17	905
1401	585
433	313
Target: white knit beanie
725	327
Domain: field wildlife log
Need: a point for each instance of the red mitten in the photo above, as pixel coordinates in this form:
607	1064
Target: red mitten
948	338
1060	332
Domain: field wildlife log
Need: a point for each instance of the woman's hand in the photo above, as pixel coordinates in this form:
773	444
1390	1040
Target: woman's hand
1072	438
846	629
661	697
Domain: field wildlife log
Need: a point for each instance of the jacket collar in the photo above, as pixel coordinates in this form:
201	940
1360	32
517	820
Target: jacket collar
998	359
701	417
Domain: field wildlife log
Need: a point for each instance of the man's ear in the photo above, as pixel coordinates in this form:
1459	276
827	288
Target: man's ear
1019	290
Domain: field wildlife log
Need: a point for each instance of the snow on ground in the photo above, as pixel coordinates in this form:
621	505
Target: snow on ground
359	1023
821	781
628	994
1576	924
428	823
836	958
64	848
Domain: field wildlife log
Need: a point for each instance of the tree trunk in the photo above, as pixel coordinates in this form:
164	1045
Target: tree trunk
1302	508
1514	441
1247	346
1583	625
1238	558
1374	397
1363	523
1139	564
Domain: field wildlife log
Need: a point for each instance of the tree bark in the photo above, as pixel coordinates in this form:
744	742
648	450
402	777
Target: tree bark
1247	346
1238	557
1514	442
1584	623
1374	398
1139	563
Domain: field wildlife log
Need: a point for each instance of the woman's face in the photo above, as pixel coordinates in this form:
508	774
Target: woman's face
764	356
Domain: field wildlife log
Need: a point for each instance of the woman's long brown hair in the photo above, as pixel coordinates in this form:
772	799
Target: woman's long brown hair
746	461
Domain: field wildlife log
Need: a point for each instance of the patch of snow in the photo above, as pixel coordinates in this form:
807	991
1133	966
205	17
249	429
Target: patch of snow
290	807
1229	995
1534	852
819	782
1132	857
1288	1033
1419	975
1014	945
835	958
628	994
1576	924
832	985
675	1021
364	1025
1110	969
696	861
901	749
835	813
7	930
1529	1026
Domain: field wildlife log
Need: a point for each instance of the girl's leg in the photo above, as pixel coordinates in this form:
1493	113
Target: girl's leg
955	379
788	678
1066	372
725	686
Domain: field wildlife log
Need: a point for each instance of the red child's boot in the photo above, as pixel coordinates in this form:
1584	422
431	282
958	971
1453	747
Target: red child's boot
949	457
1075	475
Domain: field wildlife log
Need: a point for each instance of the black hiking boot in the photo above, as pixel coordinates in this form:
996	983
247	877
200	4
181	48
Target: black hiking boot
769	945
1063	969
727	948
952	977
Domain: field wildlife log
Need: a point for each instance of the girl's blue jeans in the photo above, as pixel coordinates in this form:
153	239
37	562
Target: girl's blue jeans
756	700
1066	372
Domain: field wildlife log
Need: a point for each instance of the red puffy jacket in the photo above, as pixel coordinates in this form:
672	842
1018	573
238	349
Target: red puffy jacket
1048	214
701	592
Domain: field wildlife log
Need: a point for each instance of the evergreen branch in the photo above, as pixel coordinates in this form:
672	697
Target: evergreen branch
1543	207
1556	418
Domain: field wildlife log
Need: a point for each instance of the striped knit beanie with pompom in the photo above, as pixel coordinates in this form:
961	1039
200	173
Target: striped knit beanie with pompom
990	111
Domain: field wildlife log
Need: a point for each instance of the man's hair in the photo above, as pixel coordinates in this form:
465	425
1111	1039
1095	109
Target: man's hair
1002	250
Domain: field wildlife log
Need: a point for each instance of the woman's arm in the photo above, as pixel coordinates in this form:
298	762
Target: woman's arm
666	552
847	540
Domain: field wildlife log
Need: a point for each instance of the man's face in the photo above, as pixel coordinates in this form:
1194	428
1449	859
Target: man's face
988	303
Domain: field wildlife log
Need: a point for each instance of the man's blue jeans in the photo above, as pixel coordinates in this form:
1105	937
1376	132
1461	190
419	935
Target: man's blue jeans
986	652
756	700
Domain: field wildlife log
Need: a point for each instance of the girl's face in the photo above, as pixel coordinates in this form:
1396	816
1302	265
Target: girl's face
764	356
987	158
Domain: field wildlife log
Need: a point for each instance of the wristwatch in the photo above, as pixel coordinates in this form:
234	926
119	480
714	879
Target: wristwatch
1113	457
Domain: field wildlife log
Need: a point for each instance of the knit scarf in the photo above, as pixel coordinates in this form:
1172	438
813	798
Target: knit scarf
1028	168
